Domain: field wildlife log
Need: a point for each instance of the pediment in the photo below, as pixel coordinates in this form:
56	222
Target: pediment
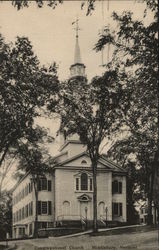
84	198
83	161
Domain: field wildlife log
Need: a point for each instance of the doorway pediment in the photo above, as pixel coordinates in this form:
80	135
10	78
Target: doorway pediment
84	198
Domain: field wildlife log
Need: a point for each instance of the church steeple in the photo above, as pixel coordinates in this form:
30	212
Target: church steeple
77	68
77	56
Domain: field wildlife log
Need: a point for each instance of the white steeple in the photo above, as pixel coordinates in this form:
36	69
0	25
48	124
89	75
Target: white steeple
77	56
77	68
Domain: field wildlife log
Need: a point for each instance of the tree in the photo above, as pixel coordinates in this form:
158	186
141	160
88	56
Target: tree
152	4
136	50
123	152
5	214
92	111
51	3
25	88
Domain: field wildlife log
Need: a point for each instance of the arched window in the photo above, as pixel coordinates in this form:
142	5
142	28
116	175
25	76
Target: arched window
84	181
66	208
83	162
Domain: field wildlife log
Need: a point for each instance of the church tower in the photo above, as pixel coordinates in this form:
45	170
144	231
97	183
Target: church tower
77	69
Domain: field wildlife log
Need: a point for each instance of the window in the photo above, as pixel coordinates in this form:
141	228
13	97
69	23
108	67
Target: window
30	208
22	213
83	162
117	209
49	208
84	181
26	211
44	207
43	184
117	187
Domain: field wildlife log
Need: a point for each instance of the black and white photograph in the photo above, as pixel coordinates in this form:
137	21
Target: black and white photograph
79	125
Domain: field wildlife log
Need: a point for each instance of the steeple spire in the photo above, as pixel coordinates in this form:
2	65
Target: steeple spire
77	68
77	55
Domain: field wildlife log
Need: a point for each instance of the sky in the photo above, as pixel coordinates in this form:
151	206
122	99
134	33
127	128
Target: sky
53	36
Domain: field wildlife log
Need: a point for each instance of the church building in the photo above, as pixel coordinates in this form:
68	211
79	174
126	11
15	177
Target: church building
66	194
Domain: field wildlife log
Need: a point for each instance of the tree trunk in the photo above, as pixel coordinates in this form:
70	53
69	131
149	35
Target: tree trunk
94	166
150	199
35	235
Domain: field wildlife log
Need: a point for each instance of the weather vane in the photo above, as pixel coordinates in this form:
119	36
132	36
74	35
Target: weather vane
77	26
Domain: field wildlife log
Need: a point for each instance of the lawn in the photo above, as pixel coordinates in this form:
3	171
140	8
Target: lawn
131	240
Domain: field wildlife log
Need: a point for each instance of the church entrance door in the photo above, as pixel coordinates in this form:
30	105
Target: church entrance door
85	210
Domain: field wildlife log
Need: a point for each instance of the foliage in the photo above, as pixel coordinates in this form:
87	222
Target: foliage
25	3
152	4
25	88
5	214
136	51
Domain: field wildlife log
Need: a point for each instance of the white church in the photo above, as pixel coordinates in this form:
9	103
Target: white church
66	194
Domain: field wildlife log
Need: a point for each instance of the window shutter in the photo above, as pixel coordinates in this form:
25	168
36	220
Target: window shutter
112	209
39	207
77	184
91	184
39	185
49	185
120	187
113	187
49	208
120	209
31	208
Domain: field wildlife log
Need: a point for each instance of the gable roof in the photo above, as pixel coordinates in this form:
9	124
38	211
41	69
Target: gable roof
102	160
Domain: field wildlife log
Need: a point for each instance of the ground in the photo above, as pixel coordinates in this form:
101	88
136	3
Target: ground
133	240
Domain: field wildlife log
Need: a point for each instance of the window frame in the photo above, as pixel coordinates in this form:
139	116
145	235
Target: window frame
117	187
48	207
119	209
77	186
